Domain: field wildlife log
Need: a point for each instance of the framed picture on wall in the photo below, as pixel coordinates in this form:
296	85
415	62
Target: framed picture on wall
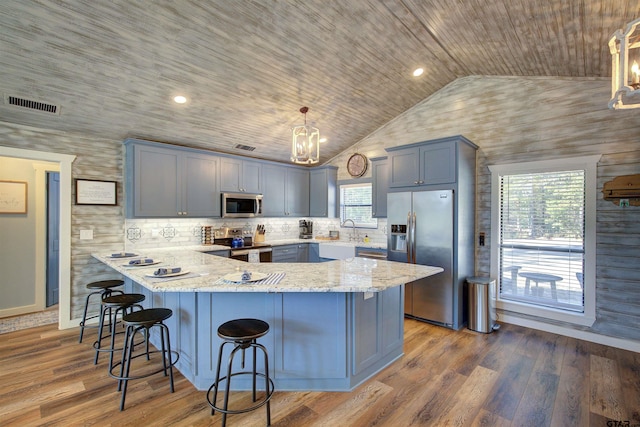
13	197
96	192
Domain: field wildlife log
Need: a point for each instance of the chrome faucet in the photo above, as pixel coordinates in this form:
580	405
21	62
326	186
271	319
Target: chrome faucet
353	236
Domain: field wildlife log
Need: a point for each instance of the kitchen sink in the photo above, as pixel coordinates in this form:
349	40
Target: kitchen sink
336	250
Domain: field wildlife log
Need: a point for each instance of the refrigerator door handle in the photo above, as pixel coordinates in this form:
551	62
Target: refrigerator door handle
409	246
413	237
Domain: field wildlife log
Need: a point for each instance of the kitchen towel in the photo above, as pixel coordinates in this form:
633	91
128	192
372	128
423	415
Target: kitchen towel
271	279
254	256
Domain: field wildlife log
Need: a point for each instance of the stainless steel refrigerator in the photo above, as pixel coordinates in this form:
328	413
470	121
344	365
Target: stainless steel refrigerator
423	229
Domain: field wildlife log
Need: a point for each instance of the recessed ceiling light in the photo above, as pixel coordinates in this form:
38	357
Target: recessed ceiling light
322	140
418	72
180	99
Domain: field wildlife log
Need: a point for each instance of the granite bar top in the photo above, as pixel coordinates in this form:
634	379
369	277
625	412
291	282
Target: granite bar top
350	275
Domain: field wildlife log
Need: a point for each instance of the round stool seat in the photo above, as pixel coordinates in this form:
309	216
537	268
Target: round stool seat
104	288
122	300
105	284
121	303
243	329
147	317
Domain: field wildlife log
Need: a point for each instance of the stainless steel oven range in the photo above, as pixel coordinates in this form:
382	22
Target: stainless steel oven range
243	247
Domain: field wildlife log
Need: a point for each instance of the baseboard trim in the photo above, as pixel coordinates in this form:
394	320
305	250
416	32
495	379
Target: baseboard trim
624	344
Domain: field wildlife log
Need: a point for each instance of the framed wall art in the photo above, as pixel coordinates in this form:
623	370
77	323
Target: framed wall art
13	197
96	192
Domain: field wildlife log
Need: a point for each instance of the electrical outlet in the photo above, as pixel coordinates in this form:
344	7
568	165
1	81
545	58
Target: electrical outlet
481	239
86	234
624	203
155	232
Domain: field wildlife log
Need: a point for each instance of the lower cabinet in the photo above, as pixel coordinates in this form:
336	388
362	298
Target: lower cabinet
318	341
377	329
303	252
290	253
285	253
314	342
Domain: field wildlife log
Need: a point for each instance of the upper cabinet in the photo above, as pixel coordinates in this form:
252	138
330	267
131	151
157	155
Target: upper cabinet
426	163
285	190
380	186
240	176
323	191
170	182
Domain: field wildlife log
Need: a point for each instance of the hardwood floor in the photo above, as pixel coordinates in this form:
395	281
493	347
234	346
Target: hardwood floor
514	377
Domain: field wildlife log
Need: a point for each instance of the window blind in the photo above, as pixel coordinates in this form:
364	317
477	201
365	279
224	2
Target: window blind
356	204
542	238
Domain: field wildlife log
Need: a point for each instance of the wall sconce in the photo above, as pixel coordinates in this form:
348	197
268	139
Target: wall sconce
625	68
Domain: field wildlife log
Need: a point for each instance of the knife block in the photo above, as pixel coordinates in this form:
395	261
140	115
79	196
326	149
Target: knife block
258	238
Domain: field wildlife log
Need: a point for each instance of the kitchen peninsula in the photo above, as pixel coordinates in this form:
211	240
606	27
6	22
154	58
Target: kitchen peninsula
333	324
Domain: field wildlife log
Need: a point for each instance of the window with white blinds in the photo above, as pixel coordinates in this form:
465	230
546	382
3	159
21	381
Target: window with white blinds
541	238
356	204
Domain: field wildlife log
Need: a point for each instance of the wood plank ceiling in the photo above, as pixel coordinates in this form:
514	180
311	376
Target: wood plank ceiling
248	66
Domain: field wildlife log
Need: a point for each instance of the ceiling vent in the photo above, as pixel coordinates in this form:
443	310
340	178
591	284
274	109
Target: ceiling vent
244	147
32	105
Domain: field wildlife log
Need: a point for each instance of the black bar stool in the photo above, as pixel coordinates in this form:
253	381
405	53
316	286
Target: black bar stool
243	334
104	288
136	321
111	306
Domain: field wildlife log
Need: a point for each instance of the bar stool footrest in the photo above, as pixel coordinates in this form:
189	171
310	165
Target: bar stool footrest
171	364
259	403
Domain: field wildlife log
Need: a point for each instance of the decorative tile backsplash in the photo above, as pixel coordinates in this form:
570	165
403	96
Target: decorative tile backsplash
166	232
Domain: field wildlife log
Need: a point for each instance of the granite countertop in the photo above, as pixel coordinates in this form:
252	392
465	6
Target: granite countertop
205	271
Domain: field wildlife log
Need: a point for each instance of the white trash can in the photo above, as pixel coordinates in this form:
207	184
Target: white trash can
482	304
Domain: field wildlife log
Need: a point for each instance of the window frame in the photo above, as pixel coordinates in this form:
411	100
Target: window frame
589	165
361	181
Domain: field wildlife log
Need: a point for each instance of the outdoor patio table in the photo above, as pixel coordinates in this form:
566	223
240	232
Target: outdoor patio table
540	277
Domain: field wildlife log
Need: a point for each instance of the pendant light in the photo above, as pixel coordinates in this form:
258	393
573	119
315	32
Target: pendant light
305	147
625	69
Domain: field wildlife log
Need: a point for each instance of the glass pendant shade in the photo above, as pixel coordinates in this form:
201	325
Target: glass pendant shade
305	147
625	67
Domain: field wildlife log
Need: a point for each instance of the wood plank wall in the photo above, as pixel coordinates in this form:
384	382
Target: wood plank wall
514	119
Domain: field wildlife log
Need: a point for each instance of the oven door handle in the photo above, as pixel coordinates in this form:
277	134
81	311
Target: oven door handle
246	251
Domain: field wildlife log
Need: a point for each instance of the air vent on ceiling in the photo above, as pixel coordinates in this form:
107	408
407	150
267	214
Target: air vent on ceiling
32	105
244	147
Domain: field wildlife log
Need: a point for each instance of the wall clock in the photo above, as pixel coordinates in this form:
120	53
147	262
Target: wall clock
357	165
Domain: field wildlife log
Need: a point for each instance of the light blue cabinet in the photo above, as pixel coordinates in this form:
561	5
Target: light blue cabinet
284	253
240	176
302	254
425	163
314	340
380	186
285	190
327	341
290	253
167	182
323	192
378	331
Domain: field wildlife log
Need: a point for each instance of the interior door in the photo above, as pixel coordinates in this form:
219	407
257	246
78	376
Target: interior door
53	237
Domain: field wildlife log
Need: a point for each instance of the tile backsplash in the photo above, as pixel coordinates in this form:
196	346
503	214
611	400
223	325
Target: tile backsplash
167	232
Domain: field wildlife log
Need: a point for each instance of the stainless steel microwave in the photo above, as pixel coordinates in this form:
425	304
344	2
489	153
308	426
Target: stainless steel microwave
241	205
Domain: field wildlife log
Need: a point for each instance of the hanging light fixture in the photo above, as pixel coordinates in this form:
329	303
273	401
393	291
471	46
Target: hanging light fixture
625	67
305	148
